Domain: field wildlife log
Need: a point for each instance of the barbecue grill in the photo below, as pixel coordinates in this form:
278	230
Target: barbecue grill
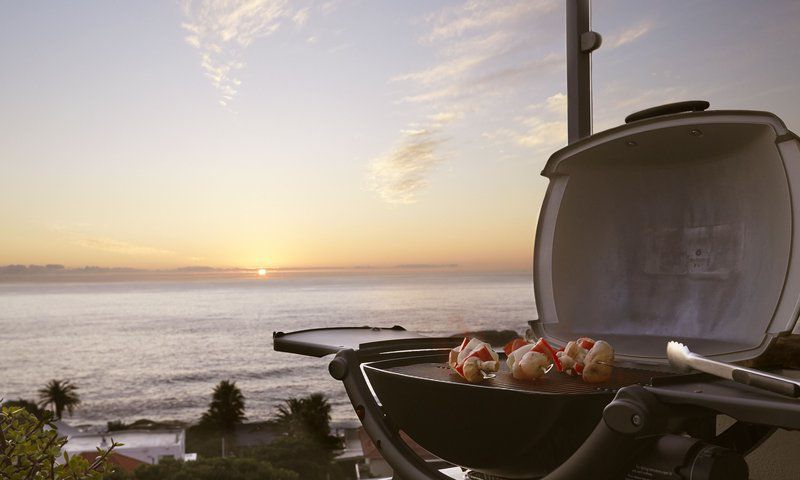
681	224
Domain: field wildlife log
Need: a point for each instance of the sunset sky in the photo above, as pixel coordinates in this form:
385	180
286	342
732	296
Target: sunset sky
159	134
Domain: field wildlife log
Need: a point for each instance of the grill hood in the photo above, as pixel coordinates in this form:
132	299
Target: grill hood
681	227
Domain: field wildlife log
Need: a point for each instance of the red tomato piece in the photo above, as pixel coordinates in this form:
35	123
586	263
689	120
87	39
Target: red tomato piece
513	345
482	353
547	350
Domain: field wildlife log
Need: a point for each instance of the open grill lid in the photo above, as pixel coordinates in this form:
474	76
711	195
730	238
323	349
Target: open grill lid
680	227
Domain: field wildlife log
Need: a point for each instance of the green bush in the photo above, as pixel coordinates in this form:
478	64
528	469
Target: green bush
299	453
207	441
28	450
29	405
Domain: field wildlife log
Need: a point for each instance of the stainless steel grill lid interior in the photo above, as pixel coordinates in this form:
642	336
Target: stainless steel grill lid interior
677	227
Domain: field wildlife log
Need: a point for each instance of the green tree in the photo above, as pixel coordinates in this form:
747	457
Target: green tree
29	406
309	416
300	454
29	451
60	394
226	409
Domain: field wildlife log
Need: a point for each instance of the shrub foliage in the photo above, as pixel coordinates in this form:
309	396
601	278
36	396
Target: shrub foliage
30	448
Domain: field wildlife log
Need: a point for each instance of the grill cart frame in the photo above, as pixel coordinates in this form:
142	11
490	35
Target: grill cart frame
649	421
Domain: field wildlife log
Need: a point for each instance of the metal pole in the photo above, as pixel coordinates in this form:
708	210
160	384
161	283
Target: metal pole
581	41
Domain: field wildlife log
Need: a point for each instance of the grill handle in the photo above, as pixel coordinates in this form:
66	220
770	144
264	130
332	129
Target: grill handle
668	109
767	382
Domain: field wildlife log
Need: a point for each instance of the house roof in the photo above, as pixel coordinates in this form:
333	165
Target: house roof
133	439
123	462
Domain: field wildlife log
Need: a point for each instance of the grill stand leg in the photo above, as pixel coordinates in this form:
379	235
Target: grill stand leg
744	437
407	465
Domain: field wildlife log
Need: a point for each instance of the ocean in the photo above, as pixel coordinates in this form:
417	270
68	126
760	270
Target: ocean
155	349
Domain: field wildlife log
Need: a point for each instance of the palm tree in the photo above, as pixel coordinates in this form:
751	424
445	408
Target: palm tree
309	416
226	409
61	394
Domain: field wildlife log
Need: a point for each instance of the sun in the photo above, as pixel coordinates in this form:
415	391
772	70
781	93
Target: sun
262	272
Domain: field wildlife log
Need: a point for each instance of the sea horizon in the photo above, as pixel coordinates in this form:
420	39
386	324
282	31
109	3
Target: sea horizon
154	349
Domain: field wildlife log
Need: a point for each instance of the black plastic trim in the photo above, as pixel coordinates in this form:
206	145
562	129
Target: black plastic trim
668	109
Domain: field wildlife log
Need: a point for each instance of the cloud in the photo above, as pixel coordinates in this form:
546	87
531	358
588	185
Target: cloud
477	15
442	71
630	35
330	7
399	176
556	103
541	132
76	234
442	118
486	56
480	45
222	30
547	129
117	246
301	17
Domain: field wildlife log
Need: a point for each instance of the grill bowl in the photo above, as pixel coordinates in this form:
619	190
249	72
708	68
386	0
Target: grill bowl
503	427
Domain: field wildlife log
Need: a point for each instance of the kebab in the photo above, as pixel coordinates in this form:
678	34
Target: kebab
529	361
585	357
589	358
474	360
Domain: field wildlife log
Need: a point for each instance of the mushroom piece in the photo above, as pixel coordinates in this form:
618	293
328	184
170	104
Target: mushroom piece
575	351
472	370
597	368
596	372
531	366
601	351
567	363
515	356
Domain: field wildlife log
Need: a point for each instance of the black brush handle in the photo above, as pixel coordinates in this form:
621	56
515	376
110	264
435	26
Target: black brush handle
784	387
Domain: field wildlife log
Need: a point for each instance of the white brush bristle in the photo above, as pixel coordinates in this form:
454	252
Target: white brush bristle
677	354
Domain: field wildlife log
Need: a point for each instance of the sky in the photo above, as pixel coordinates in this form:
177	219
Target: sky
275	133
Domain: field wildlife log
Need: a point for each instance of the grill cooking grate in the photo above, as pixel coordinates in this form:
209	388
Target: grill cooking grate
553	382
